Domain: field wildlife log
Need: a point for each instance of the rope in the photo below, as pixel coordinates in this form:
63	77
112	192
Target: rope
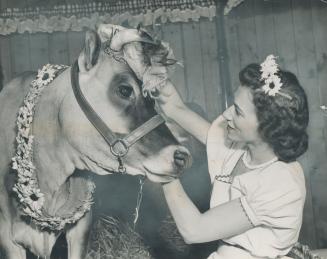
139	200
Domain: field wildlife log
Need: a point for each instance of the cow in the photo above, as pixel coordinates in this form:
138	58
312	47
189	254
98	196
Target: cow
93	116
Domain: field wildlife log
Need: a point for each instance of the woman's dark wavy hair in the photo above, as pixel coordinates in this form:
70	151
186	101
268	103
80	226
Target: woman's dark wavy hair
282	121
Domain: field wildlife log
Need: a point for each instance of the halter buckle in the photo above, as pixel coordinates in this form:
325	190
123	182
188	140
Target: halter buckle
119	148
121	167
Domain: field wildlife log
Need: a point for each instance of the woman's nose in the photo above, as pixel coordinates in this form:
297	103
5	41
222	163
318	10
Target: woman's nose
227	113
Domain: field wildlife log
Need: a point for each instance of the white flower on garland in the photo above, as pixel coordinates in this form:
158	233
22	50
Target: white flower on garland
27	189
45	75
36	200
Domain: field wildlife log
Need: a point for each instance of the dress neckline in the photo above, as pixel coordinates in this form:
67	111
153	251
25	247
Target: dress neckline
232	159
253	167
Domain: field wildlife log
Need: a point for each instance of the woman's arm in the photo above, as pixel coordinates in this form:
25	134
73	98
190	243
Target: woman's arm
191	122
170	104
223	221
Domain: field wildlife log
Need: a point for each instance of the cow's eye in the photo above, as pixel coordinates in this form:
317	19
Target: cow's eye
125	91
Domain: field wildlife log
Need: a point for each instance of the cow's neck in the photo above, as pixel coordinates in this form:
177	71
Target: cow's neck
53	164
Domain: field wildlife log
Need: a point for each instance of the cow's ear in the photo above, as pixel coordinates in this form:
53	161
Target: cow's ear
90	54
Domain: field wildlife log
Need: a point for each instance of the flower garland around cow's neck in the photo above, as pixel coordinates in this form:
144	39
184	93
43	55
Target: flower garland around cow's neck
29	194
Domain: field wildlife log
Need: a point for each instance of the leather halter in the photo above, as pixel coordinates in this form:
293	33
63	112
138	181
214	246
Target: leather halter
118	146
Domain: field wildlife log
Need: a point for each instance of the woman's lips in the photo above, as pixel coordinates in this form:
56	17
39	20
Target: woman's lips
229	127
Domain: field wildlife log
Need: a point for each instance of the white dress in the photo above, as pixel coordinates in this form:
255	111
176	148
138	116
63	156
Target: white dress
272	197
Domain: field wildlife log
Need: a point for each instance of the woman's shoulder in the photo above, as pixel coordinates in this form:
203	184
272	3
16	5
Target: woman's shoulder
275	193
282	170
282	175
279	177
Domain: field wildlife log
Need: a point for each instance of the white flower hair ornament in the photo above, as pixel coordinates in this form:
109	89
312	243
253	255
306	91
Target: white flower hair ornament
273	84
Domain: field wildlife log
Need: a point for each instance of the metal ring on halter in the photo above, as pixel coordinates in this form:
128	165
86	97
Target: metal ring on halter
119	153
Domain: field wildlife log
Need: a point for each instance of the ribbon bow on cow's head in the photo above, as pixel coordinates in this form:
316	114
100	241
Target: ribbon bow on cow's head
141	52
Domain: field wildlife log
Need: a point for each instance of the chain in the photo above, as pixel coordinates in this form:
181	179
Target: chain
121	167
139	200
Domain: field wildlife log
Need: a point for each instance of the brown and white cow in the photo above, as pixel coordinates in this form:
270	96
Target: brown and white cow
109	76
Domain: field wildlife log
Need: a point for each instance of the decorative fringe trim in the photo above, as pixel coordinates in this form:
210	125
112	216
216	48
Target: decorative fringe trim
78	17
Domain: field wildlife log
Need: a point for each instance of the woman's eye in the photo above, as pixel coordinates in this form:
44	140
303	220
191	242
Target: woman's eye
125	91
237	111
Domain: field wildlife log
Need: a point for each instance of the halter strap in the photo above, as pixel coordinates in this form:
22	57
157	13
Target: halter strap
118	146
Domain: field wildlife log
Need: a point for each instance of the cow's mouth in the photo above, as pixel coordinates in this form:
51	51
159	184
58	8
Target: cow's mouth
93	165
152	175
159	177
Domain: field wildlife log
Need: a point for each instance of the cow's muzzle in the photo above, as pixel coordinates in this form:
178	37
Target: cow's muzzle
168	164
182	159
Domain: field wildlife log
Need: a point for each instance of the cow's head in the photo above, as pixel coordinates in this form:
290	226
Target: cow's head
110	76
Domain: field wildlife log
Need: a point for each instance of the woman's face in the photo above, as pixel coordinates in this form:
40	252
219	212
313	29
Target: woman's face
241	118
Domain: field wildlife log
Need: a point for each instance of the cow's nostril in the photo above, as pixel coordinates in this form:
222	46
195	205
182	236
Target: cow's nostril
181	159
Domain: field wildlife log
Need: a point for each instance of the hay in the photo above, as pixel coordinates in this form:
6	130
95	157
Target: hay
111	239
169	233
300	251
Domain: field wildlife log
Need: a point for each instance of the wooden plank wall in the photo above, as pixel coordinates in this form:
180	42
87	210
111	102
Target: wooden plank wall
296	31
196	81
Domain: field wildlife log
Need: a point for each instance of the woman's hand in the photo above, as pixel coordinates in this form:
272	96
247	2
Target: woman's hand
156	83
169	101
170	104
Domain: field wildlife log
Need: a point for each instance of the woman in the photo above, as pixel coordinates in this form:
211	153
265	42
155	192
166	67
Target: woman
258	188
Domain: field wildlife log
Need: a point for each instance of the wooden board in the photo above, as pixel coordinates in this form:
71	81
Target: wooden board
20	45
6	58
5	52
247	34
20	53
233	50
39	49
284	34
210	68
314	162
193	63
172	33
319	19
58	48
39	46
75	45
264	29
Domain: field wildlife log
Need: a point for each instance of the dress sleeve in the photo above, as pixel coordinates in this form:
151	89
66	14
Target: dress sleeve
276	199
